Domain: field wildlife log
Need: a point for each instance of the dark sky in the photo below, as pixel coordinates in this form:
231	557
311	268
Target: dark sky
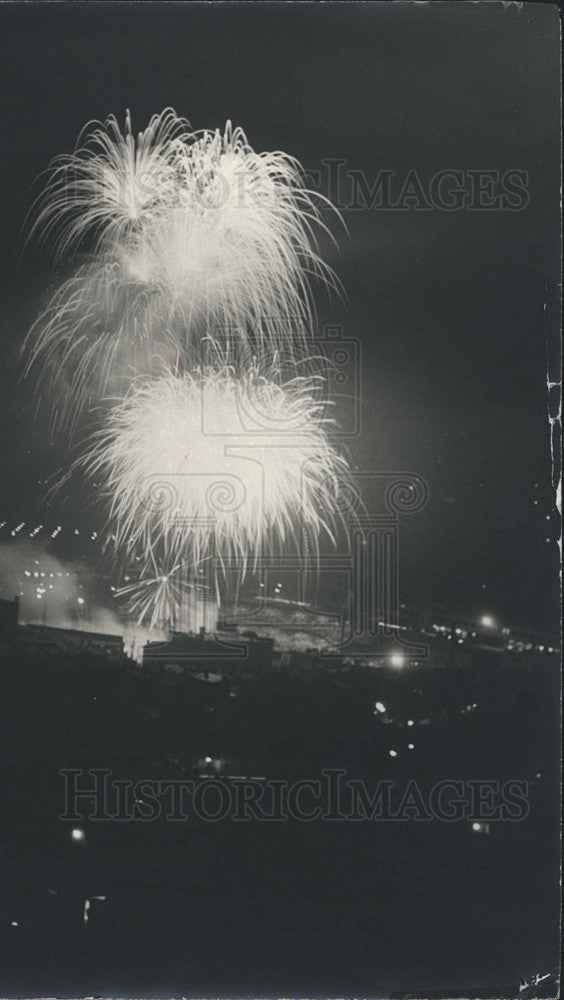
449	307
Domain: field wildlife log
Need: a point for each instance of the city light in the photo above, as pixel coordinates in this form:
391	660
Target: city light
77	834
397	660
481	827
487	621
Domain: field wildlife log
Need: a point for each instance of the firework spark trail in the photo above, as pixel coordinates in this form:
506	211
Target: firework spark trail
155	599
95	334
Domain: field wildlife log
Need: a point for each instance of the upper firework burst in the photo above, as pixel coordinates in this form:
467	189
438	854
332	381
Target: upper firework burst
110	185
221	237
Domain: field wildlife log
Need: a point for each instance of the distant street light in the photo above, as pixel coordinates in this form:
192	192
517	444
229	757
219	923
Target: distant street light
487	621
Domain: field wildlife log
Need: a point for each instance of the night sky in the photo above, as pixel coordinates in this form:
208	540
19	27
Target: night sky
449	307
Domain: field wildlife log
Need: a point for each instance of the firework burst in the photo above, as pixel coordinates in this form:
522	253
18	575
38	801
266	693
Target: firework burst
157	598
186	234
211	465
238	251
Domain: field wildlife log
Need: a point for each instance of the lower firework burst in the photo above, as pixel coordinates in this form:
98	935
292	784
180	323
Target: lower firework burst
219	466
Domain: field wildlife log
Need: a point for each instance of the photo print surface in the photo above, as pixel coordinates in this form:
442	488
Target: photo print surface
280	500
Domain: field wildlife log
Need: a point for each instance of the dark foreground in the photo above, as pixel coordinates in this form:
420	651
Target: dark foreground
345	908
